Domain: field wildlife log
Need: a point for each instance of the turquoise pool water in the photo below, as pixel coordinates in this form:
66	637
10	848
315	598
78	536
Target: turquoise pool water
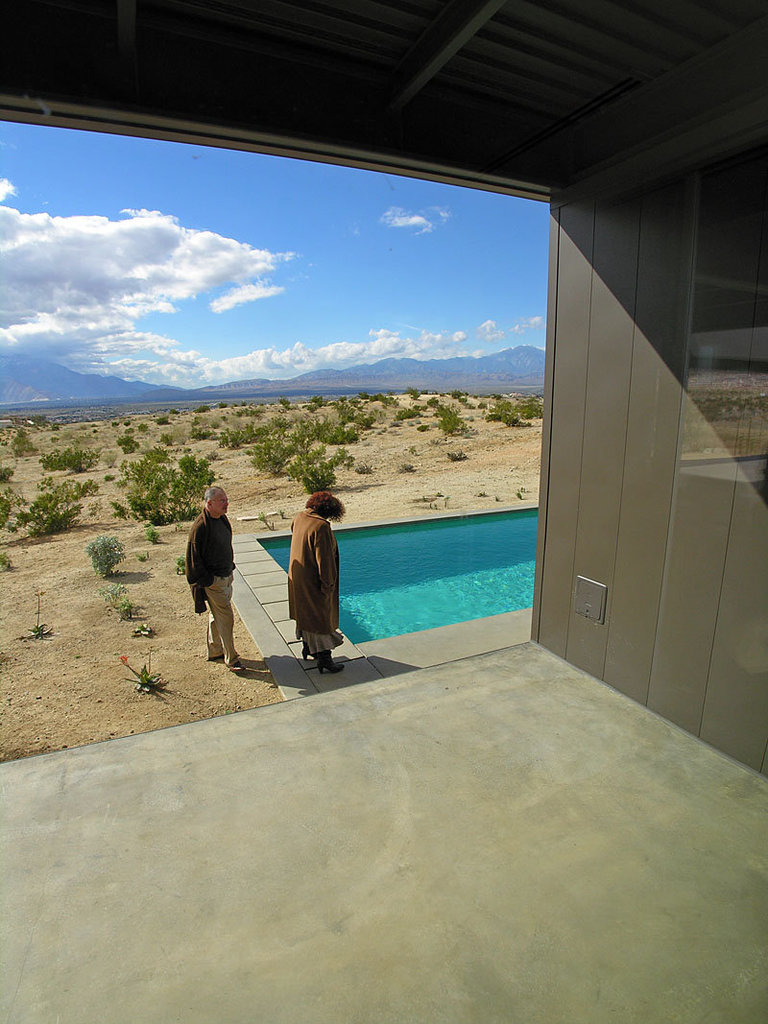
407	577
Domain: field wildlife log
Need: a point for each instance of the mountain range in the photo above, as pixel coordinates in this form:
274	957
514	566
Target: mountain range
25	380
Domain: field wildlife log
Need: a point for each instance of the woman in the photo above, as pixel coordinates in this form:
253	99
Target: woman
313	579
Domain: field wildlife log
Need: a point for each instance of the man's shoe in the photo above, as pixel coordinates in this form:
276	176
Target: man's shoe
236	666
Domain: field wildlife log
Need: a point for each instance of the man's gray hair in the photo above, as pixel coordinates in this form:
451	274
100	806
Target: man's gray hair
211	493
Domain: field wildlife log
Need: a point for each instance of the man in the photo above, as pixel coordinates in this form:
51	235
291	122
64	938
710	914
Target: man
209	568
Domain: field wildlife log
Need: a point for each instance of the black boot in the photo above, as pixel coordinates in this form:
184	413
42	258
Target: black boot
325	663
305	652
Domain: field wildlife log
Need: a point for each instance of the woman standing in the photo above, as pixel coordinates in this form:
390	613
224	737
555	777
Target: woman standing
313	579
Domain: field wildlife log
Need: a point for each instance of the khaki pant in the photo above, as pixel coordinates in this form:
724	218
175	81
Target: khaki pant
221	619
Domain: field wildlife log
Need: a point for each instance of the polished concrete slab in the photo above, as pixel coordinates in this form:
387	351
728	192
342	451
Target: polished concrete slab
503	839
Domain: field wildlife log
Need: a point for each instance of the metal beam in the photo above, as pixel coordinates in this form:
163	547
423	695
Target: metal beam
451	30
126	29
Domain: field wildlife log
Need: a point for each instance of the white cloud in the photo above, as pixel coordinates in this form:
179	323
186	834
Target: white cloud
528	323
76	286
191	369
7	189
424	222
245	293
489	331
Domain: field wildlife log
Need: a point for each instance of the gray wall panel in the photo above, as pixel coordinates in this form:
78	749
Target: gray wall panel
652	429
611	329
546	430
691	591
736	706
567	421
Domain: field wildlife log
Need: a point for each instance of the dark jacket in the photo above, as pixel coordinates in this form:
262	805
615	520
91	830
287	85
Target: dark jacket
313	574
196	568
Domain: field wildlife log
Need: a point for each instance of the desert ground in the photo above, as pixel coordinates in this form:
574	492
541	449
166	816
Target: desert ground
68	686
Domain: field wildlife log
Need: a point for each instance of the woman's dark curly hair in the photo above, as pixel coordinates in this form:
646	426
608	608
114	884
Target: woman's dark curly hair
326	505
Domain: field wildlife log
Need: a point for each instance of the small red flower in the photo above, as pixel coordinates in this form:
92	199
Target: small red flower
124	659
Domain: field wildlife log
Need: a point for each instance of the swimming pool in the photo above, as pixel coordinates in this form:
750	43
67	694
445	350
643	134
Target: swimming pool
411	576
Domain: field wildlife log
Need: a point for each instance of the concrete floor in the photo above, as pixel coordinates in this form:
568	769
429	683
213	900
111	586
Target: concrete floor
502	839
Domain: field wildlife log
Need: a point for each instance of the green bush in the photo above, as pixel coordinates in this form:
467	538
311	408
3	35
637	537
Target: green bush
21	444
151	534
57	508
5	562
203	408
75	458
315	471
531	408
7	501
159	492
503	411
272	453
128	443
408	414
449	420
142	428
162	421
6	472
413	392
105	553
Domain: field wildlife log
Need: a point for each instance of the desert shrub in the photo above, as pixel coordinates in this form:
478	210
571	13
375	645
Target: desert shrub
21	443
6	472
151	534
272	453
5	562
413	392
128	443
203	408
457	456
449	420
406	467
200	432
162	421
142	428
159	492
239	436
314	470
57	508
7	501
408	414
422	427
531	408
316	402
284	402
105	553
364	468
503	411
74	458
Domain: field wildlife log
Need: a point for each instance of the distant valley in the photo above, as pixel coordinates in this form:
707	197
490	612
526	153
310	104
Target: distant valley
26	381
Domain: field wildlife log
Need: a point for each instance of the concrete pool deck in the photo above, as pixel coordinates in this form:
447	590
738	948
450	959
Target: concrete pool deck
261	598
500	840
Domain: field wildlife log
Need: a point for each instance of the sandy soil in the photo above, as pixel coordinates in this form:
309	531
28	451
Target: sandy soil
72	688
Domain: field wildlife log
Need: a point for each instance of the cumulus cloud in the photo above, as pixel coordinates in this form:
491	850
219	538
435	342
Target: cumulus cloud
7	189
75	287
192	369
528	323
423	222
488	331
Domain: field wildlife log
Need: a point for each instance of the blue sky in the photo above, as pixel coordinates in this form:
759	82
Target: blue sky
188	265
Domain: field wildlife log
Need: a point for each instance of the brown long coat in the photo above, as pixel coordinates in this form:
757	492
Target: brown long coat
313	574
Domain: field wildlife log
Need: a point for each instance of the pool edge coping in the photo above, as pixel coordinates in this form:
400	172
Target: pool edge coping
292	676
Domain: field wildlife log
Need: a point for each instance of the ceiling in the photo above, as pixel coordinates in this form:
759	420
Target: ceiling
531	98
